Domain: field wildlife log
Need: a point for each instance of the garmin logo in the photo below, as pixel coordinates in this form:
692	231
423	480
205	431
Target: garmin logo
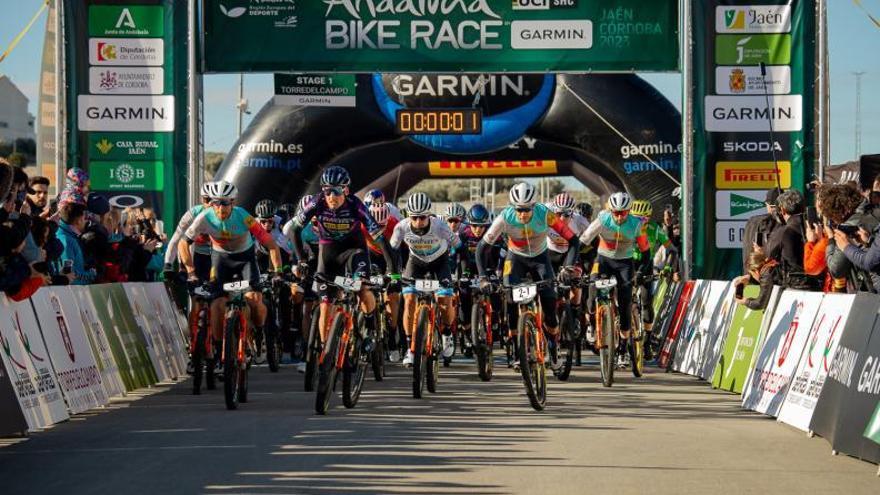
459	85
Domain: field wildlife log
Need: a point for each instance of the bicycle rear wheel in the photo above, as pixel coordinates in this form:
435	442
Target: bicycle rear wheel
420	359
482	349
313	350
327	365
533	372
636	344
231	366
605	324
568	337
355	368
433	368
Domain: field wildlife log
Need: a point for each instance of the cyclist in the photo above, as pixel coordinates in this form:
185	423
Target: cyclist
382	214
526	225
619	234
430	243
378	197
266	214
477	222
454	215
564	206
304	295
232	231
338	216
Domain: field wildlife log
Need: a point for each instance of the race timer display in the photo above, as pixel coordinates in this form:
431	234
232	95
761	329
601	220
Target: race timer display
414	121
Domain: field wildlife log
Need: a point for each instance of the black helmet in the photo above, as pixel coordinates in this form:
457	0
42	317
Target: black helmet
478	215
335	176
266	209
585	209
285	211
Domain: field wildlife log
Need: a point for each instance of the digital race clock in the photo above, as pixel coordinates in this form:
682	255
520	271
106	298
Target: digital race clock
415	121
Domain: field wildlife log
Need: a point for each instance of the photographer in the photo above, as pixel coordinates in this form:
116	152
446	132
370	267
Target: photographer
766	273
838	203
760	228
861	248
787	244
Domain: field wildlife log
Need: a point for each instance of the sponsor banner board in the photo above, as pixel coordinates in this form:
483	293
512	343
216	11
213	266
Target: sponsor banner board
752	19
579	35
695	336
492	168
172	327
669	340
142	52
816	360
739	205
740	344
116	146
752	114
749	147
126	113
316	90
65	338
778	358
127	80
126	21
753	49
729	235
127	176
752	175
159	343
99	342
30	369
733	80
11	419
717	330
664	315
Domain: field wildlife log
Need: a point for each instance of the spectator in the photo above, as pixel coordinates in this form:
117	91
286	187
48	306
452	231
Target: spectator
95	238
766	273
17	279
760	228
839	205
70	229
861	248
38	197
786	246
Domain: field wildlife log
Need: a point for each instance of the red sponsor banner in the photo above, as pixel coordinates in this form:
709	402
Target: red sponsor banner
677	320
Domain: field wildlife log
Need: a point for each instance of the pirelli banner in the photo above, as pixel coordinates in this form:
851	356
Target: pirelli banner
753	98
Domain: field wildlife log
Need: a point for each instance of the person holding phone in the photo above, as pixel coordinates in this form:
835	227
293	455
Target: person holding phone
761	227
763	271
70	229
839	206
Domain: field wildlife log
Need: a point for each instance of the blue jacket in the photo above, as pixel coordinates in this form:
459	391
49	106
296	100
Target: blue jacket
73	251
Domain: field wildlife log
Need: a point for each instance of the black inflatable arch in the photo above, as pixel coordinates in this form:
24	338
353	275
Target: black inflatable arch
281	154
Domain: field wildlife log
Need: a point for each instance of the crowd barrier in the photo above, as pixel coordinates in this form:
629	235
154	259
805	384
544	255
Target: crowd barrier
67	350
810	360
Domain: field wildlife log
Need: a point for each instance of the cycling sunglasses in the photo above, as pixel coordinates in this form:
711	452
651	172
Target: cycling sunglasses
221	202
334	191
453	220
523	210
417	218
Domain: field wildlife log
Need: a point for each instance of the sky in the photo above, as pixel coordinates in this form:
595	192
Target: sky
854	45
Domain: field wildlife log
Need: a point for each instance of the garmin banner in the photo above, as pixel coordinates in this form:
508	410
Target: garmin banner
126	74
753	67
440	36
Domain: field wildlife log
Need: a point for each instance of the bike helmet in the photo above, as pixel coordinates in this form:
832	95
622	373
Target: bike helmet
418	204
563	202
619	201
380	213
335	176
523	195
206	190
478	215
265	209
455	210
222	190
642	208
585	209
374	196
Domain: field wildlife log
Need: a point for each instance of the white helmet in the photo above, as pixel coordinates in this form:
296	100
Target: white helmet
563	202
455	210
222	190
418	204
620	201
523	195
380	213
206	189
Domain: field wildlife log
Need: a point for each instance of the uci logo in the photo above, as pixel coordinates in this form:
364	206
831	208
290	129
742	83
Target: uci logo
531	4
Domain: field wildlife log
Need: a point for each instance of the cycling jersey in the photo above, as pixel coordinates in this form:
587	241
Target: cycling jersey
343	223
529	239
577	223
469	242
201	244
656	238
234	235
616	241
437	241
374	246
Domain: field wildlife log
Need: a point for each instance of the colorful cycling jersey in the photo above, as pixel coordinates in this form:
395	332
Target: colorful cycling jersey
530	239
469	242
374	246
309	234
341	224
234	235
201	244
438	240
656	238
577	223
616	241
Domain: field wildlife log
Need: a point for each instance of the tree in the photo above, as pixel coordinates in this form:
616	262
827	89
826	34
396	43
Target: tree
213	159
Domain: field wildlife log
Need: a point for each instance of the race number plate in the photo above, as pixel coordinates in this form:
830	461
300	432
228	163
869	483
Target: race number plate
524	293
348	283
427	285
377	280
608	283
239	286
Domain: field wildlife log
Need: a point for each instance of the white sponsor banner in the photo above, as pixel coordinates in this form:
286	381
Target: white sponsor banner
778	357
168	324
739	205
156	348
126	113
697	334
729	235
111	378
127	80
28	365
747	80
697	306
808	379
316	100
752	19
65	338
752	114
551	35
716	332
127	51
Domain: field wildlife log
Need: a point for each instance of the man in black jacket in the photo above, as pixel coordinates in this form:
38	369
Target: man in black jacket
760	228
786	246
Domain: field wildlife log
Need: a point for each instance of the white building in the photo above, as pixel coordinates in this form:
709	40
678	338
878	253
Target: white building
15	121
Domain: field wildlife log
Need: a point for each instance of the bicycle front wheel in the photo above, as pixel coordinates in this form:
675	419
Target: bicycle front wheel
567	342
420	359
231	366
377	357
273	342
327	369
355	368
313	350
533	370
607	350
197	353
636	344
433	368
482	349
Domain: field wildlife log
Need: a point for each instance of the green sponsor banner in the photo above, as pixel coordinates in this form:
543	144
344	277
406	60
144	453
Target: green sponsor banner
740	205
126	341
441	35
872	431
739	347
127	145
659	295
126	21
127	176
753	49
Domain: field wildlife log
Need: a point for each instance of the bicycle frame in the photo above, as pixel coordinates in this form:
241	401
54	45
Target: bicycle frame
605	297
237	303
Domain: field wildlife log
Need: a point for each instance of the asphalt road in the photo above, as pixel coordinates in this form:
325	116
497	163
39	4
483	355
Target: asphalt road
661	434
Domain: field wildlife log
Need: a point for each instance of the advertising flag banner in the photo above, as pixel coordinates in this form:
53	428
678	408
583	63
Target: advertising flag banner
717	330
670	336
30	370
692	338
69	350
177	338
808	380
100	342
781	350
11	419
158	345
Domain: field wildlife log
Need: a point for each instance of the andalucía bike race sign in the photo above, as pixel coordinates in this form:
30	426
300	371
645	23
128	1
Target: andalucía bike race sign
440	35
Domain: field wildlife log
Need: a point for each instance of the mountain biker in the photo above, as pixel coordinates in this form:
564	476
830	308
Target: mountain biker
303	291
376	196
564	206
382	214
476	222
454	215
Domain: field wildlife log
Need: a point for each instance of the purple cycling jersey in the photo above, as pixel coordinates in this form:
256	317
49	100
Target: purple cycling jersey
341	224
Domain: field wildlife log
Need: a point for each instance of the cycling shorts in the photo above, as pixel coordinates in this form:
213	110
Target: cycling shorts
228	267
202	263
439	268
